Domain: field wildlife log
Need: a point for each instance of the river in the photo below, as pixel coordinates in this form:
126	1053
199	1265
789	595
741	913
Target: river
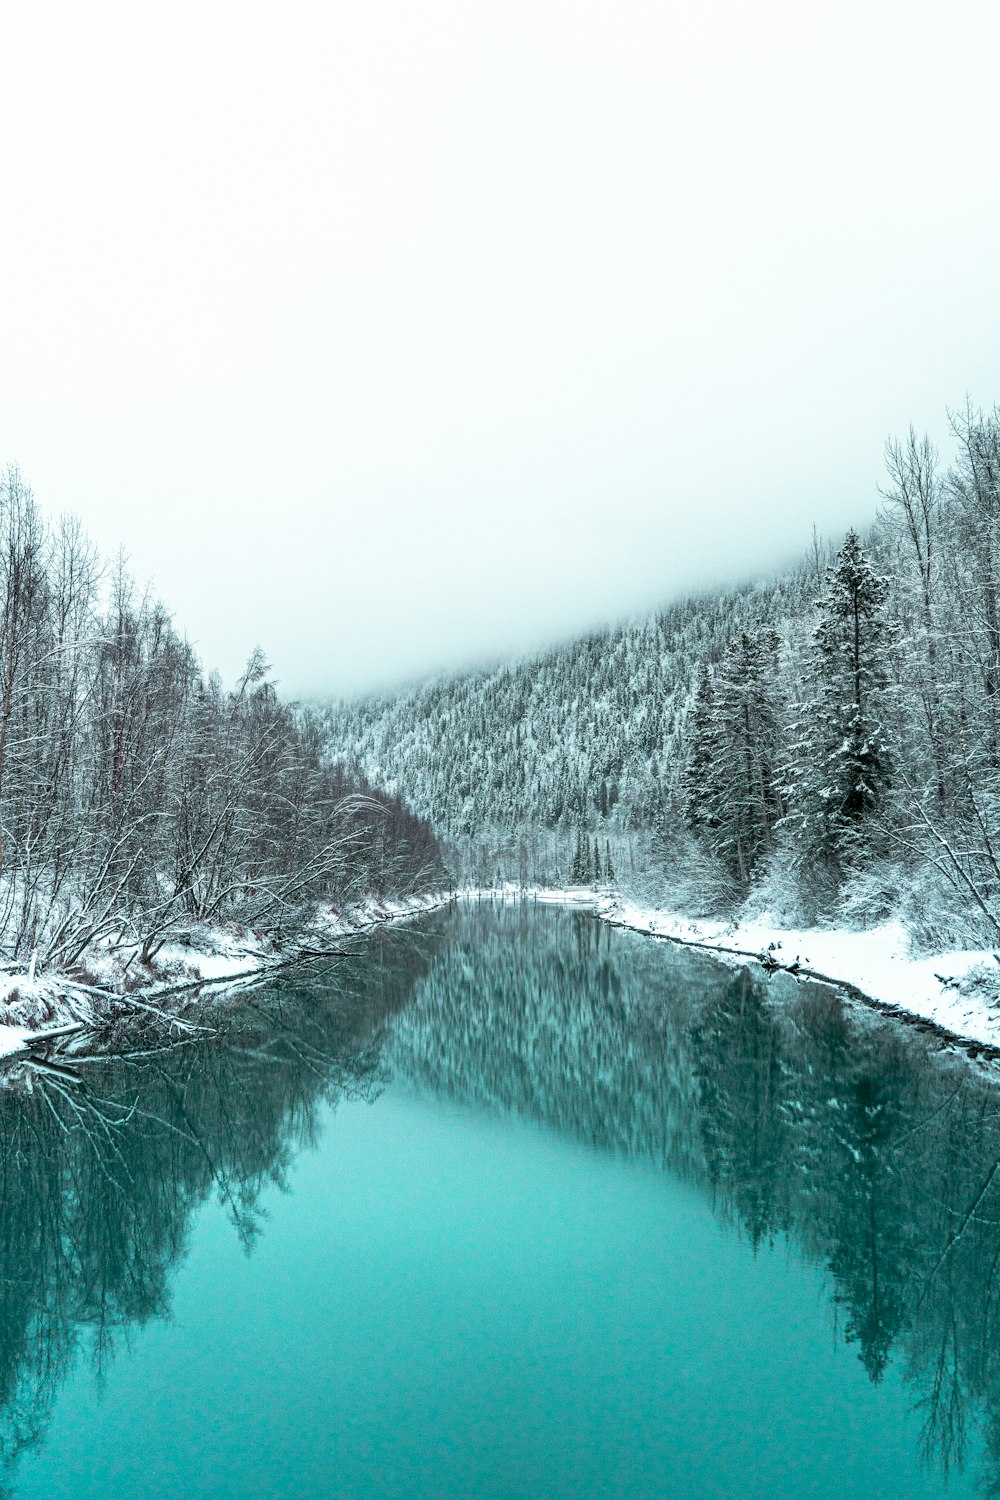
511	1205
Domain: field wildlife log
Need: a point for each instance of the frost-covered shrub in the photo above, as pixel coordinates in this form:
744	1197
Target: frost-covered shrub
939	916
982	982
680	874
792	892
871	895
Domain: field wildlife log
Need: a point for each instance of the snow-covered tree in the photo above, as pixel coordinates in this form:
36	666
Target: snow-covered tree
838	768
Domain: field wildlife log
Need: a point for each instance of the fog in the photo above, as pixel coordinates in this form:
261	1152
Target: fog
393	336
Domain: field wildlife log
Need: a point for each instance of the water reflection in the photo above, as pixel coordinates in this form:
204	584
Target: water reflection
874	1151
868	1149
100	1176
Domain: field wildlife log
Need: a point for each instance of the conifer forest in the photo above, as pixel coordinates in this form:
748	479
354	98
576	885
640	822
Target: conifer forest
823	744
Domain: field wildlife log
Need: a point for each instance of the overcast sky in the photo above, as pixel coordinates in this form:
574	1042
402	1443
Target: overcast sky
395	335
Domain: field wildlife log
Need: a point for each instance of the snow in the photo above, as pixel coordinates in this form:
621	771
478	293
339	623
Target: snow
219	959
941	988
13	1040
208	955
216	955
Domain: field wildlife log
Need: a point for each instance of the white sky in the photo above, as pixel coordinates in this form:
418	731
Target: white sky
394	335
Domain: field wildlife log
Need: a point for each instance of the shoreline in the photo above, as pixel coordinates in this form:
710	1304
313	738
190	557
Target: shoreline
953	994
62	1006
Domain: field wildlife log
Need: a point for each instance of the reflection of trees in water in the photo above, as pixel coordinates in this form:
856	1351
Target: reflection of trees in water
532	1010
876	1153
99	1180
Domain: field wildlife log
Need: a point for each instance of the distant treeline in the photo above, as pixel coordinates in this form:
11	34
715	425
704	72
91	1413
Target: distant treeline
513	764
826	744
137	794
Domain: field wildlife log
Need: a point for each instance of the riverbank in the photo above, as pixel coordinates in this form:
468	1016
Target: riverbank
107	986
955	992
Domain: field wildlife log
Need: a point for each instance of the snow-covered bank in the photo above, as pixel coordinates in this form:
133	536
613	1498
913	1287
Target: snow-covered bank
959	992
109	985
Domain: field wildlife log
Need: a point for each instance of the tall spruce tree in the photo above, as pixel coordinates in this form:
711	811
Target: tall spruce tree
580	872
729	779
839	762
745	717
699	778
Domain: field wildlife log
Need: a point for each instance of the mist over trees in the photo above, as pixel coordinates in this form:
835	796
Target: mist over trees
137	794
824	745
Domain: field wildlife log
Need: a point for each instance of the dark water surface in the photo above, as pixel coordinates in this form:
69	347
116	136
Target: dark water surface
514	1205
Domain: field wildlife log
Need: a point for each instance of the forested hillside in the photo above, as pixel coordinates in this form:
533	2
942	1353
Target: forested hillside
825	744
137	794
511	763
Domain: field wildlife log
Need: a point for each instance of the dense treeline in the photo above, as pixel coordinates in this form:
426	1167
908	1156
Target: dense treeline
826	744
137	794
513	764
847	763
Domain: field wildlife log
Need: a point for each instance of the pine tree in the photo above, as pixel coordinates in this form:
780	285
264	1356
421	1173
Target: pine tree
597	864
698	778
580	874
840	761
609	869
743	798
729	779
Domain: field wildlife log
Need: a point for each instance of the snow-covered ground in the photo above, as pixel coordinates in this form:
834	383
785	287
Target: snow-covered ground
958	991
31	1003
13	1039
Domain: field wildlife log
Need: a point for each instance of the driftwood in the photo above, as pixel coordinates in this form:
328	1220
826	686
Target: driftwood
50	1069
49	1033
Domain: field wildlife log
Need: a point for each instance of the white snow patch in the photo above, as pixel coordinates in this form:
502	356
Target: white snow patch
13	1039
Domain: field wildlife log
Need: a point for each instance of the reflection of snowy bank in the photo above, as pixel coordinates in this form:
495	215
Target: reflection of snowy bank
109	984
958	991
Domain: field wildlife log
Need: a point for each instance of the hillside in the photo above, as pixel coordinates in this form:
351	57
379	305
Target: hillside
509	763
823	745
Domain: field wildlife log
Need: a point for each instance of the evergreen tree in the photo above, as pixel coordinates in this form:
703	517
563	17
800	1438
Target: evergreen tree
840	762
609	869
597	864
729	778
743	799
580	873
698	778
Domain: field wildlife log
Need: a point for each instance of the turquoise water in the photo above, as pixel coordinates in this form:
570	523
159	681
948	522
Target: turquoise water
512	1206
